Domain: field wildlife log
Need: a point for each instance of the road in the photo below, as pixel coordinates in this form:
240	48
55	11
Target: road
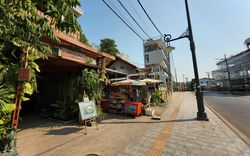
234	108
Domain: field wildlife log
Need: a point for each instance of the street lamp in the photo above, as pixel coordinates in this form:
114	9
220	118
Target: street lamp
201	114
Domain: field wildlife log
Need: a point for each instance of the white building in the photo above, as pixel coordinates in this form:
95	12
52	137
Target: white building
238	68
156	55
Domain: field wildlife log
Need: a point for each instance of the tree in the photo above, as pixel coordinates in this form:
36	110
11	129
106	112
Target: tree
23	24
108	46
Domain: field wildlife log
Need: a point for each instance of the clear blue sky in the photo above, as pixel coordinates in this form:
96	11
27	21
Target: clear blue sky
219	27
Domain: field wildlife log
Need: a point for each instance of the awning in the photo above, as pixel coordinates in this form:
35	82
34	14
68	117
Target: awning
150	81
129	82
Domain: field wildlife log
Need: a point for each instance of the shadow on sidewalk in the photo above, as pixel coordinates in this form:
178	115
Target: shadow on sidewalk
153	121
63	131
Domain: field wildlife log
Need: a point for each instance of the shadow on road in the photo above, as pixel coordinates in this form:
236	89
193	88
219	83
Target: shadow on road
224	94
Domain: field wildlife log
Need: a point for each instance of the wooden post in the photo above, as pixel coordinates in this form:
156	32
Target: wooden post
102	66
18	100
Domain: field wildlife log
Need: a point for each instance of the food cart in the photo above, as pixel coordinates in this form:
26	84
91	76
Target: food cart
125	99
128	96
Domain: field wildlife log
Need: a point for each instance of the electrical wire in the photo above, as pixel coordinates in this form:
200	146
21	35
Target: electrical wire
149	17
133	18
138	14
122	19
119	12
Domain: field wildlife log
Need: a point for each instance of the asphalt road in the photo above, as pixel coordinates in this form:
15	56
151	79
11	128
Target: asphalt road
234	108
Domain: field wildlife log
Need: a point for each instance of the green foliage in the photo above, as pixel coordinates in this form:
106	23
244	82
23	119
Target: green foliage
64	110
22	25
90	61
157	97
71	89
99	111
108	46
70	93
84	39
93	87
23	22
6	96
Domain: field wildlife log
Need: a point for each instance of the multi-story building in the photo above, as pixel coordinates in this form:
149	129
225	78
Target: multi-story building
236	68
156	56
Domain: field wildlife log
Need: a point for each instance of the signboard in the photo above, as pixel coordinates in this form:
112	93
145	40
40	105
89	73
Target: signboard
87	110
72	55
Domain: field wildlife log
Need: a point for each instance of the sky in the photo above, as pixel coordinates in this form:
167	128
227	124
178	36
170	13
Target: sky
219	27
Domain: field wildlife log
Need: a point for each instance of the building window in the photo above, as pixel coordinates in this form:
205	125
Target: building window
122	67
146	59
114	68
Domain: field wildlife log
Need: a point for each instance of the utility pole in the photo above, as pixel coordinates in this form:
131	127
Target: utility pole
187	87
201	114
175	75
176	83
228	73
208	74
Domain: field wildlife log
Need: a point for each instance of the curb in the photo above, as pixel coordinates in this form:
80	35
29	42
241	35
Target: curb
233	128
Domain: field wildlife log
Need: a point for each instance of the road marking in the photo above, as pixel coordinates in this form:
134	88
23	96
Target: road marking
160	142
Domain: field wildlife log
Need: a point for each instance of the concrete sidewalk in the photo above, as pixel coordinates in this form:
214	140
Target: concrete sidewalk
201	137
176	134
185	136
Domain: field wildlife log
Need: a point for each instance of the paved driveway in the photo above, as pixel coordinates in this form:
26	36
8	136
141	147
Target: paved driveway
39	136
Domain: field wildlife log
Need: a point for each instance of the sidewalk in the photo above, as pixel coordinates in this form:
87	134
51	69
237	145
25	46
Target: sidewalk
184	136
176	134
201	137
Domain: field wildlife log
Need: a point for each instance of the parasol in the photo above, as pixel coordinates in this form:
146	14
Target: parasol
129	82
150	81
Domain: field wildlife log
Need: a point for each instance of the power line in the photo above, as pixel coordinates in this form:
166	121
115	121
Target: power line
138	14
119	12
149	17
133	19
122	19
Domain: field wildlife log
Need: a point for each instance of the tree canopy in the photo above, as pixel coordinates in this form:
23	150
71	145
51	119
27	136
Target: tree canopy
24	22
109	46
